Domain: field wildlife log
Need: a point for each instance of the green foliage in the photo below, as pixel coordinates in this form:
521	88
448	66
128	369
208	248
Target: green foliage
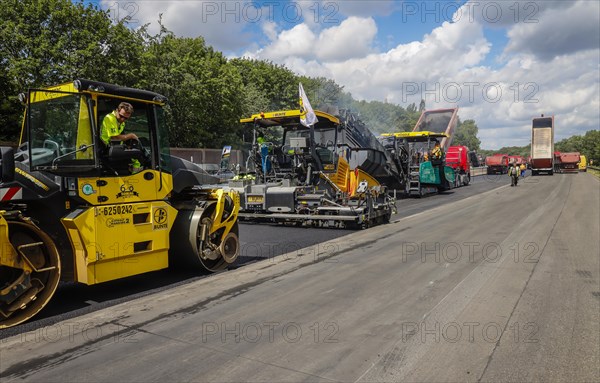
466	134
46	42
322	92
203	89
278	84
588	145
383	117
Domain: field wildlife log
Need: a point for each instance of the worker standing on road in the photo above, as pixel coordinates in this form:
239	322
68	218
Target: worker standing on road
513	173
523	167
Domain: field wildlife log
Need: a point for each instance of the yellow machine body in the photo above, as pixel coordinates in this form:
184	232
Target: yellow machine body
116	241
97	220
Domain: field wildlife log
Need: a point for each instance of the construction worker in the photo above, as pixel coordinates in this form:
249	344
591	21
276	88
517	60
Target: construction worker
112	128
436	152
513	173
436	157
114	123
523	168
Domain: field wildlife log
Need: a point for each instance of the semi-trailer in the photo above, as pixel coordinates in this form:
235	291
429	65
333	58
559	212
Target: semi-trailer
542	145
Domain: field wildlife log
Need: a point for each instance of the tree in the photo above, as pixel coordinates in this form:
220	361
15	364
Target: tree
205	102
466	134
278	84
588	145
46	42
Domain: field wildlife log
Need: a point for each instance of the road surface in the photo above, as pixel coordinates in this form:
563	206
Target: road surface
501	286
256	242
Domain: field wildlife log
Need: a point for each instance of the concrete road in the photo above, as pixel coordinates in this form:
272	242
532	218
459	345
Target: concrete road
502	286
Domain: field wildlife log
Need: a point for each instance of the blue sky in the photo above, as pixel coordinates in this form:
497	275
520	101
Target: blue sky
501	62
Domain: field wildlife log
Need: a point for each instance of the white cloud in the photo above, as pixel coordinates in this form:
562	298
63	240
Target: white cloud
550	64
298	41
449	60
221	24
559	31
352	38
447	50
269	28
500	14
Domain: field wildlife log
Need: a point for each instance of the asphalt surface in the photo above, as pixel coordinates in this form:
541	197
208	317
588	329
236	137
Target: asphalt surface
257	241
501	286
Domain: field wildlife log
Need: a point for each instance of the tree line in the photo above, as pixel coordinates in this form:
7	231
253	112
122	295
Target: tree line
48	42
587	144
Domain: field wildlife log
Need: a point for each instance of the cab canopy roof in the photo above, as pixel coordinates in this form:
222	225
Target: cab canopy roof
416	136
290	118
102	88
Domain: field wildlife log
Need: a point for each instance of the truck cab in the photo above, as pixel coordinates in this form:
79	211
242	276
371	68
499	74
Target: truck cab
459	159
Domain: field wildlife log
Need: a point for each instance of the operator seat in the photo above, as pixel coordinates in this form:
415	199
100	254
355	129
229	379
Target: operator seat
120	156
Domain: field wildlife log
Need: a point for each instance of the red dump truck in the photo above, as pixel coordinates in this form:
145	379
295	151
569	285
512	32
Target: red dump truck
459	159
497	164
568	162
518	160
542	145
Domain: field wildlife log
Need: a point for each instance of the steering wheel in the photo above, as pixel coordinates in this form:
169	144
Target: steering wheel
133	143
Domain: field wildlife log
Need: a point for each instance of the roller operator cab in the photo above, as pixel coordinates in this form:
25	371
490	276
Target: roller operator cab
72	208
316	175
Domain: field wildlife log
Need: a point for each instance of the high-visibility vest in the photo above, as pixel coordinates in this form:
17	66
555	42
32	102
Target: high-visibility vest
110	127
